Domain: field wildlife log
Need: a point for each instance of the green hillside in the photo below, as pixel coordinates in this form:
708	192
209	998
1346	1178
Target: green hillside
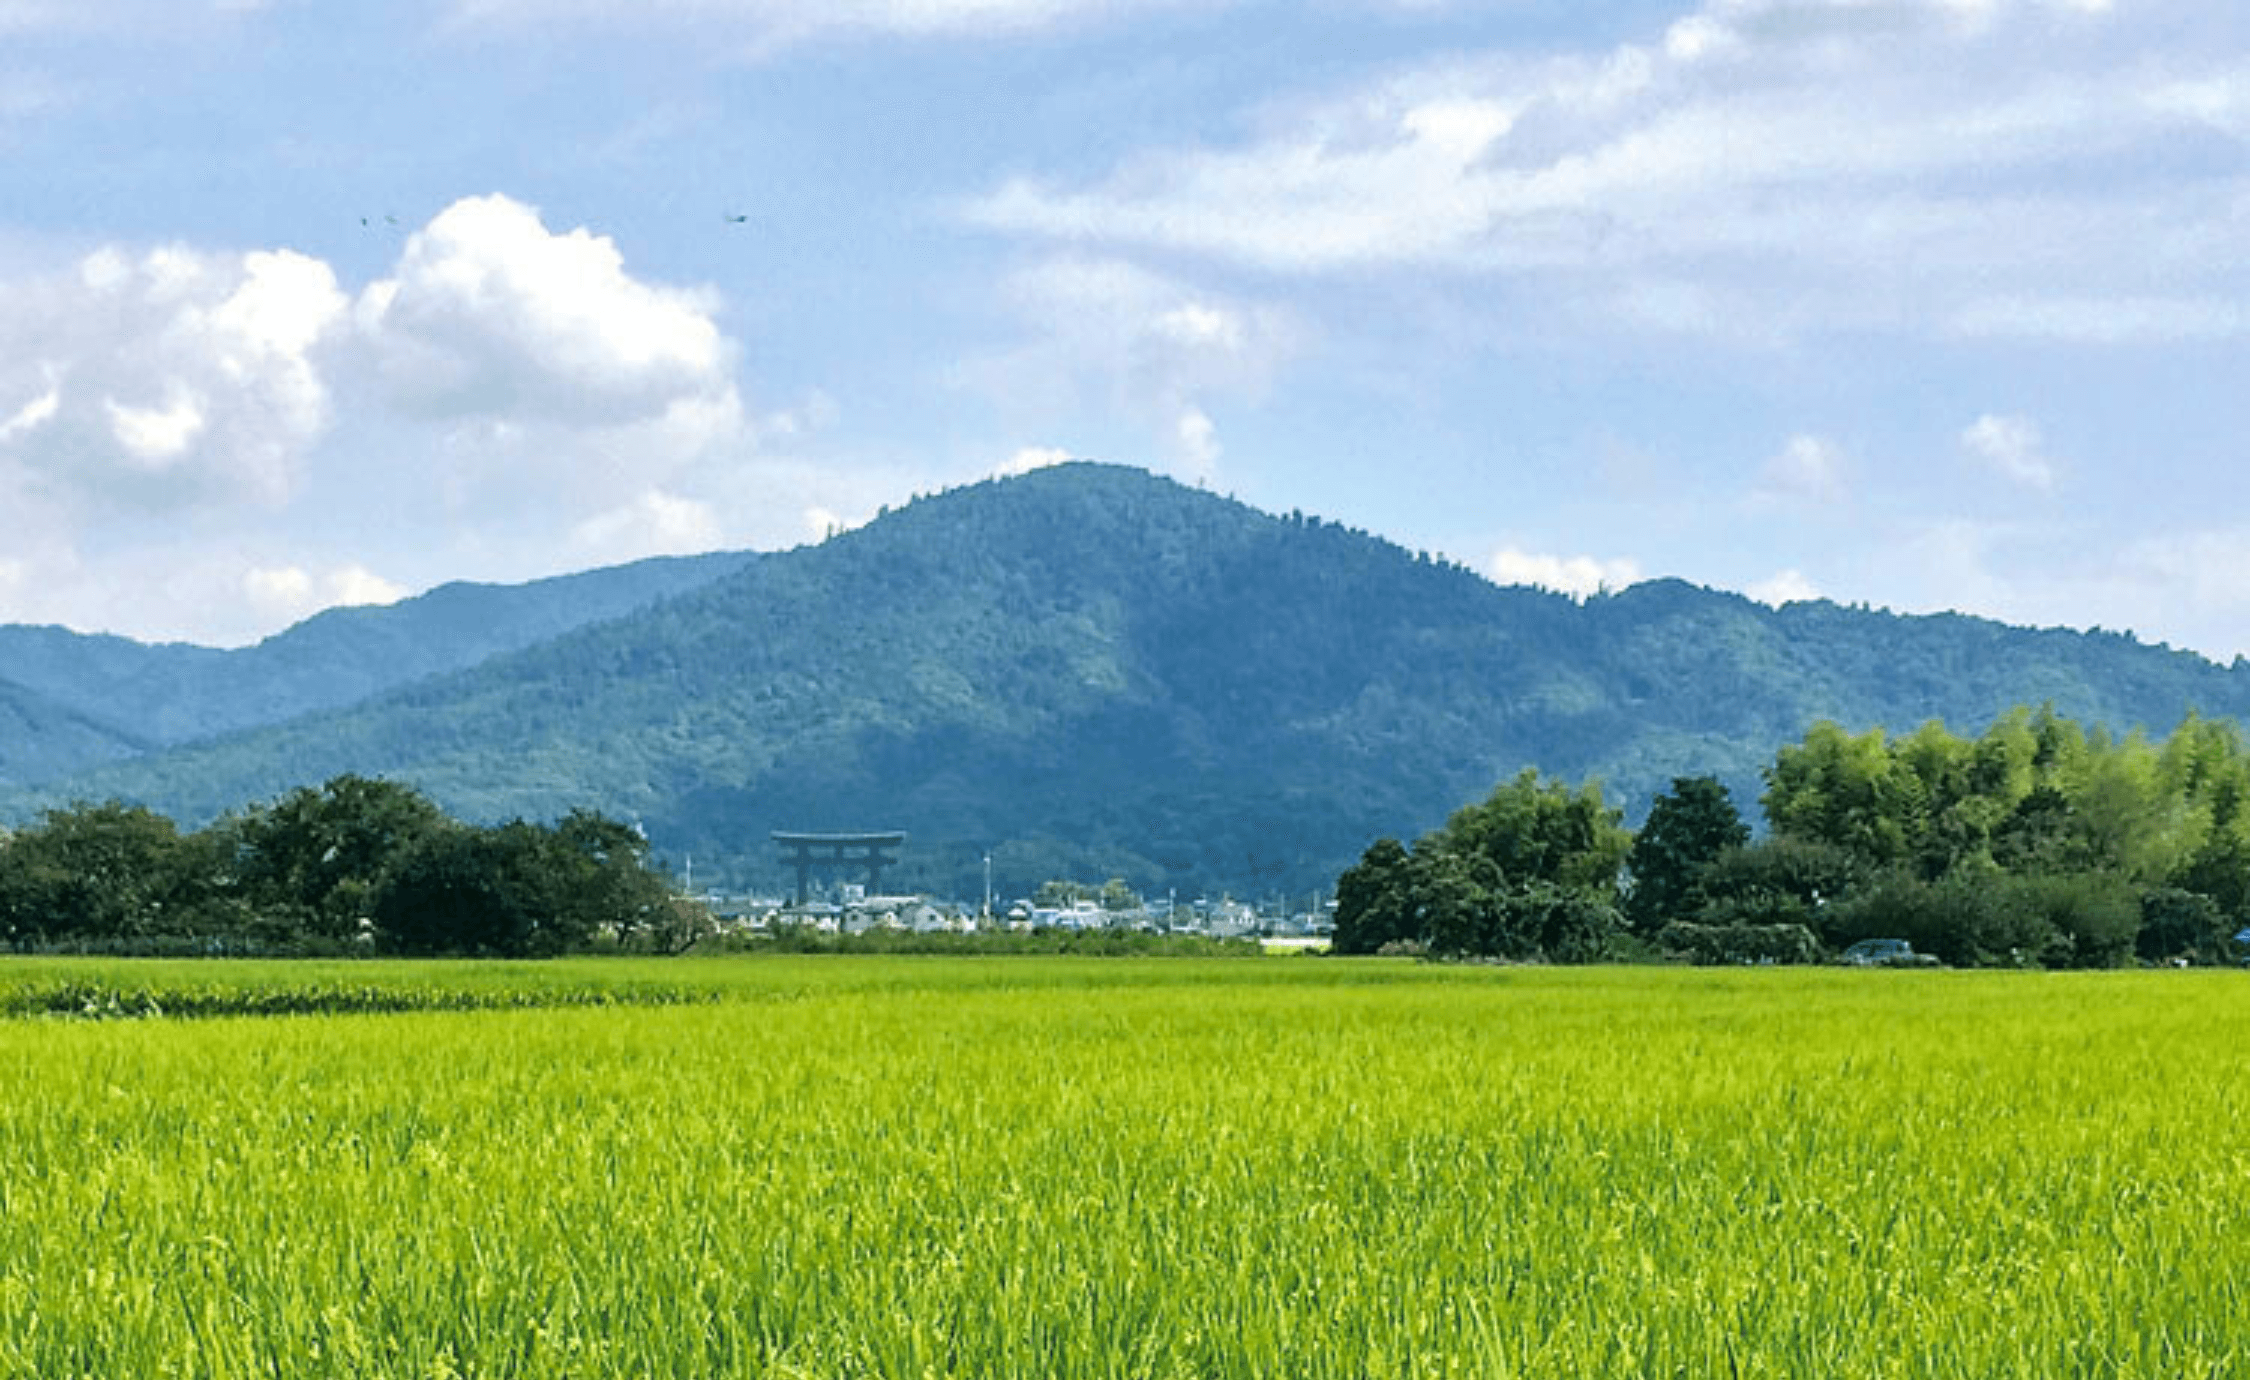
41	738
1092	671
145	696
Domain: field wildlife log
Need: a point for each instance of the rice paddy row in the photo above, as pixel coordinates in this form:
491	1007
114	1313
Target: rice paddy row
1056	1168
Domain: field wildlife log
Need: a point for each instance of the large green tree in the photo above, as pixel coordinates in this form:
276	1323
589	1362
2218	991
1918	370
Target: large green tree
522	890
310	862
95	873
1533	830
1530	871
1375	900
1688	828
603	883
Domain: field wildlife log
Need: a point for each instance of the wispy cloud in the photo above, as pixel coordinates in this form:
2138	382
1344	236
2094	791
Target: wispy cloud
1778	166
2011	446
1149	347
763	25
1807	469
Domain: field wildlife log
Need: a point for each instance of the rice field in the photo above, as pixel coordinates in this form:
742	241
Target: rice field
1030	1167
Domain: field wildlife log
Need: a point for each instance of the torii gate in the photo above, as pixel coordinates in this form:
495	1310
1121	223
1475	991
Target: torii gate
803	850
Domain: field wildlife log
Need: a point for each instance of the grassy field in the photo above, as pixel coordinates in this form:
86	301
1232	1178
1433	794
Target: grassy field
1041	1168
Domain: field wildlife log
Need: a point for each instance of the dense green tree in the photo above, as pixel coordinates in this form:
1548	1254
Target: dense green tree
94	873
1688	828
1968	918
523	890
1561	924
2180	924
603	883
1781	881
310	862
1528	872
1060	893
1375	900
1530	830
1842	790
477	892
2096	915
1457	913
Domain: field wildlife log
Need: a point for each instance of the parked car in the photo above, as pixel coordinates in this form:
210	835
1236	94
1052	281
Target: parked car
1887	953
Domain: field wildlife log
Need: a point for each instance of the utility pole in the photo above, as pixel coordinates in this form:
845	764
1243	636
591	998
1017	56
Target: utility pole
988	888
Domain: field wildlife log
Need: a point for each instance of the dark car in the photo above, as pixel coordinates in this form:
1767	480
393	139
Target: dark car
1887	953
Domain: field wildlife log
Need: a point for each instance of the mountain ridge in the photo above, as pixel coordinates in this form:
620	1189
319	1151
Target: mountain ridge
1090	670
160	695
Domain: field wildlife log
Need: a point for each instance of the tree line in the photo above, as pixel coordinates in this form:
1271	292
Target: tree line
354	865
2037	843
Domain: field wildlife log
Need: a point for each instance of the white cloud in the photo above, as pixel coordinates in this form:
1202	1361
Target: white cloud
514	398
1784	587
1769	167
1196	443
1152	336
1106	334
655	523
2190	588
291	592
1808	469
814	413
155	436
822	522
32	415
2011	446
1577	576
1030	458
491	315
169	378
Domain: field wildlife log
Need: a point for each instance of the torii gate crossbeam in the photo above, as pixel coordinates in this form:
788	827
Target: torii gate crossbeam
874	851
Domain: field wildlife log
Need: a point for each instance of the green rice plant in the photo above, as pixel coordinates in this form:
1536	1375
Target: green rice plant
1039	1167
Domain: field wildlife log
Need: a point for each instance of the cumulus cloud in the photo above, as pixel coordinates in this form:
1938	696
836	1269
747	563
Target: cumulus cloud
290	592
1577	576
1808	469
2012	447
1784	587
166	378
1029	458
490	314
1195	439
530	399
1763	166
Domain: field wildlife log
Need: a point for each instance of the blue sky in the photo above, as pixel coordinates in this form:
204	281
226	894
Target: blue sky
1920	303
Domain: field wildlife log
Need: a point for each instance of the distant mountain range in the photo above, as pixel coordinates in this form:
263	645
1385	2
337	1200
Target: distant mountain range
69	701
1086	671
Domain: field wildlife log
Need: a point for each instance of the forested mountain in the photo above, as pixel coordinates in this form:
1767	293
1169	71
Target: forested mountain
1091	671
41	737
110	697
